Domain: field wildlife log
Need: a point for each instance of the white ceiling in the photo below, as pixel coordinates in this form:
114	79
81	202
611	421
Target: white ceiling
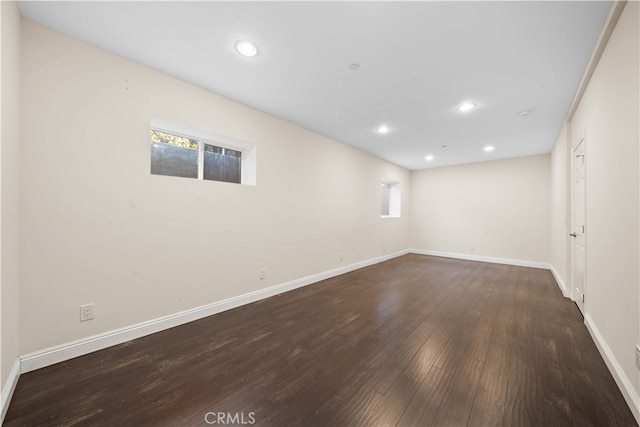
418	62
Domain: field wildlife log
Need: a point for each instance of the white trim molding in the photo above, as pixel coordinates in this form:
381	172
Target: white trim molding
67	351
615	10
565	291
8	388
623	382
494	260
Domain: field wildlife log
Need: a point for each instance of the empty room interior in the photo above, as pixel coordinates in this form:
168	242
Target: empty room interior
320	213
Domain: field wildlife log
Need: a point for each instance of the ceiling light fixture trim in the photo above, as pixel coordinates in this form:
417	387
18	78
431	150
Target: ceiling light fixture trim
467	106
383	129
246	48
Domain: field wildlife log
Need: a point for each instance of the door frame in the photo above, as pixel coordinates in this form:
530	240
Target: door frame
574	144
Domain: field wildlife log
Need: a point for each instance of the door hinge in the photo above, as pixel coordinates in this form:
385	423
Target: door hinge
583	298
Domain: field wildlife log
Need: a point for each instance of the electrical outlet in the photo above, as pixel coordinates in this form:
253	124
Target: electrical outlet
472	248
263	274
86	312
341	257
638	357
384	249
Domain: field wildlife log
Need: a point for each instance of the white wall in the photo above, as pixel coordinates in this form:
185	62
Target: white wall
501	208
609	113
98	227
560	212
9	178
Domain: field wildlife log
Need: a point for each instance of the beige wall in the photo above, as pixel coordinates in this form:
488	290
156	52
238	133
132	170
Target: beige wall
9	178
560	212
97	227
609	115
501	208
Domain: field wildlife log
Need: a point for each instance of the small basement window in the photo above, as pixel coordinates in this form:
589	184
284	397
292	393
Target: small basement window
390	200
201	156
221	164
174	155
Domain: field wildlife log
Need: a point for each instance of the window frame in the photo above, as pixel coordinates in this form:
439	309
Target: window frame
248	150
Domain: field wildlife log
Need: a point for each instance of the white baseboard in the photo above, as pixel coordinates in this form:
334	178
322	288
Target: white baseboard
623	382
8	388
561	285
494	260
88	345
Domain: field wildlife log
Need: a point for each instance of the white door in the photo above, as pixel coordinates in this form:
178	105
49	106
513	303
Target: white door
578	208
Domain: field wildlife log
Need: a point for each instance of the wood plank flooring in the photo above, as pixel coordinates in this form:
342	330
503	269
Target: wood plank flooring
414	341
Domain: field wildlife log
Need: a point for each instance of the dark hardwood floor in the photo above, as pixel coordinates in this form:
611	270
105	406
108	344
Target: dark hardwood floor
415	341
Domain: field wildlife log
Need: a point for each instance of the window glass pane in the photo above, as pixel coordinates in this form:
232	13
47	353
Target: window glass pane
220	150
178	141
173	155
222	164
384	210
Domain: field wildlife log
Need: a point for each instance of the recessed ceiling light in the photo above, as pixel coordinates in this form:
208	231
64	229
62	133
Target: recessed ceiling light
354	66
466	106
524	113
429	158
445	146
382	129
489	148
246	48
